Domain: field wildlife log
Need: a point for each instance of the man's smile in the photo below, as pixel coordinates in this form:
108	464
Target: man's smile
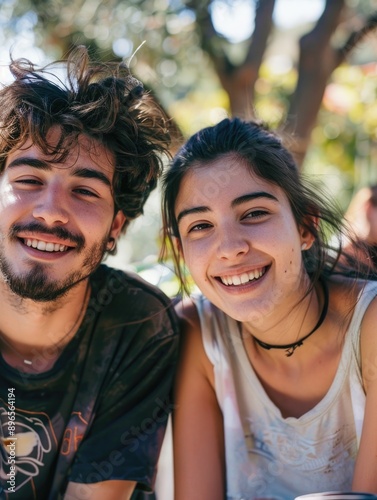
45	246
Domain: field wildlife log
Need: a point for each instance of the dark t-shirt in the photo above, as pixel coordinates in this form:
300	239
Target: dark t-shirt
100	413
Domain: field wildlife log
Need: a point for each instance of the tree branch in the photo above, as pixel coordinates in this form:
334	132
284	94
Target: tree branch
317	61
238	81
356	37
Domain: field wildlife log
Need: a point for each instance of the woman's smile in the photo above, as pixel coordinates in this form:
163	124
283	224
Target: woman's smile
242	279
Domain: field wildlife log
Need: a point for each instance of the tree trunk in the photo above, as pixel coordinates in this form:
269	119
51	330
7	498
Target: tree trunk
317	61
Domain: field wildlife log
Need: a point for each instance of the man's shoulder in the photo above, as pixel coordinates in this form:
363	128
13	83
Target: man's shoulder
126	283
127	294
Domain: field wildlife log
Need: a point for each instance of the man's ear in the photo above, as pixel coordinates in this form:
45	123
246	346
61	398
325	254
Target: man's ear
117	224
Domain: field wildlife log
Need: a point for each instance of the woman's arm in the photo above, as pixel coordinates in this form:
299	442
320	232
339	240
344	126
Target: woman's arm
197	420
365	476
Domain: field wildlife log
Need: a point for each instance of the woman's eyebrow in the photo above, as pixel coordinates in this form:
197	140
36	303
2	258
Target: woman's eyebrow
238	201
194	210
252	196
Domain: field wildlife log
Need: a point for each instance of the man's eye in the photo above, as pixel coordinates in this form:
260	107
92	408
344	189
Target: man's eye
29	181
86	192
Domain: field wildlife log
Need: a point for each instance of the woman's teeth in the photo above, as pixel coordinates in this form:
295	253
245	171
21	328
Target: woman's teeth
46	247
241	279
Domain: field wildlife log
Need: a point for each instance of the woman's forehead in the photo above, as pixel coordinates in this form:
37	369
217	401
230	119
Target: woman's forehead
223	181
224	171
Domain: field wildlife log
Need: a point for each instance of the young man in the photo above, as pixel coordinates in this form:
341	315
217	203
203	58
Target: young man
87	352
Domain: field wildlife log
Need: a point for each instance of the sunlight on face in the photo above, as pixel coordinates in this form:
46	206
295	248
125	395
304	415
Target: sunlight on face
239	239
57	217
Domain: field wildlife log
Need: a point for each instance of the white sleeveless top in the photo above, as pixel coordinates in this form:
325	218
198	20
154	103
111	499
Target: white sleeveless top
268	456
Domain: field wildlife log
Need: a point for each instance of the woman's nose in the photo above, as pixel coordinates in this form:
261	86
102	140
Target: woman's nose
232	243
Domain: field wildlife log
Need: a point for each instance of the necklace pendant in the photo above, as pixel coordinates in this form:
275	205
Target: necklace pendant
292	348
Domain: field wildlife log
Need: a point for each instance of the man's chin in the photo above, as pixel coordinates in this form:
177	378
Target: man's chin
37	290
37	286
40	295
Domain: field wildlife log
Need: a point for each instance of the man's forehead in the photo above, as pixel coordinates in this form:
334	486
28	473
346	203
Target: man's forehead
73	152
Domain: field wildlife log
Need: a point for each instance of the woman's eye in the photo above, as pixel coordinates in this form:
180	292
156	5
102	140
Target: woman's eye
199	227
256	214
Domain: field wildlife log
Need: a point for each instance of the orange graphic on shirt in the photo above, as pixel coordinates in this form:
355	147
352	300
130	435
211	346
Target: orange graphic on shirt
73	435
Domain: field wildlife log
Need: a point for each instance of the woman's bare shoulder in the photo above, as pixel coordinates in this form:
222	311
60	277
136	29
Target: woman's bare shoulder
344	293
186	309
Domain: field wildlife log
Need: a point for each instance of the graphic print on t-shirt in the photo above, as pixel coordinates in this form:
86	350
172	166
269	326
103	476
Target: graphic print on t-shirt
73	435
32	441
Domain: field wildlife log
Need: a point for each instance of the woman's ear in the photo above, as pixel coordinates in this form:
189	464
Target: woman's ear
307	236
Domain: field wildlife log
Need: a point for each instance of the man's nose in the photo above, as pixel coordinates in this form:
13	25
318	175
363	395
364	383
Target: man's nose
51	207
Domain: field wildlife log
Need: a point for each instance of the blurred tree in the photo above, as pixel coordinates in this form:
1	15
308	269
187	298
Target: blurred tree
318	58
181	38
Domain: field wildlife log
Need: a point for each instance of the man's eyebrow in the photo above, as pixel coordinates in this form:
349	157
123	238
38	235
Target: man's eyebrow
31	162
89	173
85	173
238	201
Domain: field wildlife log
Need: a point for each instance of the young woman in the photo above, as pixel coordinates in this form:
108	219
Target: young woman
277	386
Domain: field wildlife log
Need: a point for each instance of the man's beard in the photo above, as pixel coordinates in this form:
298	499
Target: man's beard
35	283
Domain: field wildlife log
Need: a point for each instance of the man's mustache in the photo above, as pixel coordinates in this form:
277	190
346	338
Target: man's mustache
59	232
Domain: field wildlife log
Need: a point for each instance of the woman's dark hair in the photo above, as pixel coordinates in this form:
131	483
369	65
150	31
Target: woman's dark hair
104	102
262	151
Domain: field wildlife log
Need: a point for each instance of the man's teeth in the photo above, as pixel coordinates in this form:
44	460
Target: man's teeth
46	247
241	279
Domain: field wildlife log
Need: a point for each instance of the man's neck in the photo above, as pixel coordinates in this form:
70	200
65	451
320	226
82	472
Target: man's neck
33	333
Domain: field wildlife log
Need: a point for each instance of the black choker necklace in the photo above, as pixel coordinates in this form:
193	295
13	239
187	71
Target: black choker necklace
290	348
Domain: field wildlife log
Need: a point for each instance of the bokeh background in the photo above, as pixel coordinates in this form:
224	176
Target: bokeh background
306	67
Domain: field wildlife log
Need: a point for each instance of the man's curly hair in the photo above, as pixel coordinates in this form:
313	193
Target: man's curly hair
104	102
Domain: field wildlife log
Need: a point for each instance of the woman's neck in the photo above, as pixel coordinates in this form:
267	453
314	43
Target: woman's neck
291	329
